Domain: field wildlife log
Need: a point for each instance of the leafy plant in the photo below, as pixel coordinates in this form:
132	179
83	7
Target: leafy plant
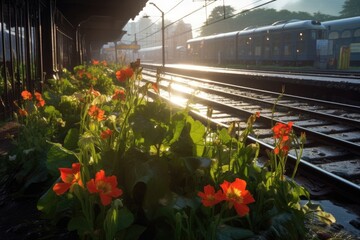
126	168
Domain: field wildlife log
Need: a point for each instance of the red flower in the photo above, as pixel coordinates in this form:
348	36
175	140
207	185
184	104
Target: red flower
236	195
106	134
104	63
119	94
105	186
23	112
129	72
282	131
120	76
39	99
26	95
124	74
257	114
69	176
95	62
96	113
209	197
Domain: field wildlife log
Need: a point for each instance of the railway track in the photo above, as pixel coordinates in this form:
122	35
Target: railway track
332	150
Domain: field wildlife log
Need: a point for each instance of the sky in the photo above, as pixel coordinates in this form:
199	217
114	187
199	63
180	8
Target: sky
194	12
177	9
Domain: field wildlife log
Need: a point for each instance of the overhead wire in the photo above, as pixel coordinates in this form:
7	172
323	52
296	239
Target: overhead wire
206	23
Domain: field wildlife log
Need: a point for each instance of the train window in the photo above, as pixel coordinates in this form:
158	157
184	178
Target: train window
276	51
267	51
287	51
357	33
257	50
346	34
333	35
314	34
276	42
321	34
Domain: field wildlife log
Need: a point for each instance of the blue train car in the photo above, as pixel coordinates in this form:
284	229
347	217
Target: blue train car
344	33
151	54
221	48
286	43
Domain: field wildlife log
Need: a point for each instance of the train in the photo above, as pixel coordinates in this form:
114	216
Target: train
344	34
284	43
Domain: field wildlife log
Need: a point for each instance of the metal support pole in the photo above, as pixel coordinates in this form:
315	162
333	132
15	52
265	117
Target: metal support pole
162	33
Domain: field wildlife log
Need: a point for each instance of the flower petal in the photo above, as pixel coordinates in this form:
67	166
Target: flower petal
61	188
91	186
105	199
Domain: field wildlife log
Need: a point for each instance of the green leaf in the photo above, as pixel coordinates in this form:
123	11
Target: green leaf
57	158
53	206
224	136
197	132
71	139
47	203
33	169
37	174
286	226
177	126
117	218
80	224
158	184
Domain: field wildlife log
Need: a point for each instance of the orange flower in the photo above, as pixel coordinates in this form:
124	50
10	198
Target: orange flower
129	72
105	186
96	113
124	74
95	62
106	134
155	87
257	114
23	112
209	197
69	176
88	75
282	148
119	94
236	195
120	76
26	95
282	131
80	73
104	63
39	99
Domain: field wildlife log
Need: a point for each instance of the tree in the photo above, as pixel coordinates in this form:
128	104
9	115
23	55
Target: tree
218	20
322	17
220	12
351	8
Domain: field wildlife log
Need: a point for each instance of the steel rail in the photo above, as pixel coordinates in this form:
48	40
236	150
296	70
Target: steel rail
338	182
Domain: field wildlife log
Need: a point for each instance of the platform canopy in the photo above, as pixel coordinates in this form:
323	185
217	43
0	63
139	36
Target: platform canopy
100	20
